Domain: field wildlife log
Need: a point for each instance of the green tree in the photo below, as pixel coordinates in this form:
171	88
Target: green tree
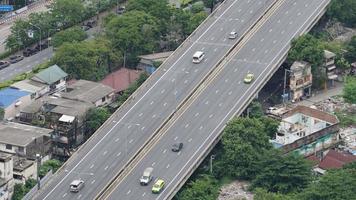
95	118
282	173
203	188
197	7
19	191
271	126
74	34
308	48
195	21
262	194
334	185
67	12
255	109
90	60
351	50
53	165
133	33
349	91
243	141
343	11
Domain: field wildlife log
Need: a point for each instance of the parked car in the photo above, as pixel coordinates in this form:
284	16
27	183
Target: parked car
85	28
91	23
4	64
121	10
158	186
42	45
76	185
15	58
29	52
177	147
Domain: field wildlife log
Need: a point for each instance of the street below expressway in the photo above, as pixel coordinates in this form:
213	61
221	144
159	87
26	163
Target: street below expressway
123	135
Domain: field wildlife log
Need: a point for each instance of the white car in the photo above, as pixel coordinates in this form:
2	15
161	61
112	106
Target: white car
76	185
232	35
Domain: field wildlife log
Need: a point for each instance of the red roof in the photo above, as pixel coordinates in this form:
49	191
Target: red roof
315	160
334	160
121	79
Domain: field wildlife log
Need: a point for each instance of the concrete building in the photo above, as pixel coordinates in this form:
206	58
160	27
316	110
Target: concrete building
329	67
306	131
300	80
90	92
48	80
6	176
24	140
149	62
12	101
24	169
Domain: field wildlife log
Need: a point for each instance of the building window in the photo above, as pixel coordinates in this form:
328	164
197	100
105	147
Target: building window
103	99
21	149
9	146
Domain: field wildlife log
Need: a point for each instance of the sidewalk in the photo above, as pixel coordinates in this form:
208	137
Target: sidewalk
322	95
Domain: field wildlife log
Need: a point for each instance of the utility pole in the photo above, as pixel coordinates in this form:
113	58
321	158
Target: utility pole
212	157
38	159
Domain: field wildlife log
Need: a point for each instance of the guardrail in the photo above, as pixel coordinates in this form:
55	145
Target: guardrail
33	191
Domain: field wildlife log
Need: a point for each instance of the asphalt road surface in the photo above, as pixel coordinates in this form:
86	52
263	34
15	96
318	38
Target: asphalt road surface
226	95
25	65
129	128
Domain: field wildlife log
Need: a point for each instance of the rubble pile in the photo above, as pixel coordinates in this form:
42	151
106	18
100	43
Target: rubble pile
236	190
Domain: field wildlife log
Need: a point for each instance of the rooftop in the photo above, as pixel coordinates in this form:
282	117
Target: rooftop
334	160
299	65
50	75
20	134
9	96
28	85
121	79
328	54
302	121
68	106
87	91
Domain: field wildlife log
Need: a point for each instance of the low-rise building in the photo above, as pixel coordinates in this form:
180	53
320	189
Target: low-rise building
24	169
48	80
12	101
90	92
300	81
24	140
121	79
306	131
150	62
329	67
6	176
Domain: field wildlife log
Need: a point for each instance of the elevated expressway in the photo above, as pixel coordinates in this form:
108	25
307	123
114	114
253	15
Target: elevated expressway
200	121
128	130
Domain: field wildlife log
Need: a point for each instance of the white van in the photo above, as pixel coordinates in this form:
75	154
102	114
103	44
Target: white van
146	176
198	57
76	185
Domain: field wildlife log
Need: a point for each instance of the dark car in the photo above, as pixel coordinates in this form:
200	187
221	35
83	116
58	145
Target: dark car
4	64
121	10
42	45
91	23
15	58
29	52
177	147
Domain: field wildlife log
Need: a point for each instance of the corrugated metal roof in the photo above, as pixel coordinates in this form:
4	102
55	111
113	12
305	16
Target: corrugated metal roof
50	75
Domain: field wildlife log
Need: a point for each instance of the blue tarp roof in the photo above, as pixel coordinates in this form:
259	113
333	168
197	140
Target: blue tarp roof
9	96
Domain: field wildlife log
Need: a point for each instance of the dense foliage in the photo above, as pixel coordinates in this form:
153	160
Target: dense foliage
95	118
349	92
53	165
343	11
203	188
74	34
20	190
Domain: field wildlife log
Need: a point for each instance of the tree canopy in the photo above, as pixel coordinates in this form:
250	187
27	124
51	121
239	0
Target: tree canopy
343	11
89	60
74	34
95	118
203	188
349	91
